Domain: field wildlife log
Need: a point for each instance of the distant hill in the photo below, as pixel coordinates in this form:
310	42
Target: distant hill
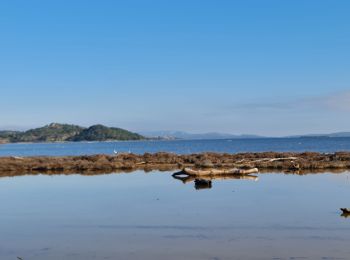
173	135
103	133
6	136
339	134
51	133
64	132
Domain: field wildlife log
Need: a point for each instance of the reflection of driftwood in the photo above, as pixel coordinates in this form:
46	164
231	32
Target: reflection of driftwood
200	184
345	210
187	178
345	215
211	172
205	182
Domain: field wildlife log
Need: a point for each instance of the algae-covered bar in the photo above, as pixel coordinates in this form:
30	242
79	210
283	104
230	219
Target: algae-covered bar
283	161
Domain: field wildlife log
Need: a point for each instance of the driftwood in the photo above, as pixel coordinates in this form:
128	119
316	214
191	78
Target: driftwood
268	160
211	172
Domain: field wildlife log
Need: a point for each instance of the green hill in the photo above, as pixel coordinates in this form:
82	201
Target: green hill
7	136
50	133
64	132
103	133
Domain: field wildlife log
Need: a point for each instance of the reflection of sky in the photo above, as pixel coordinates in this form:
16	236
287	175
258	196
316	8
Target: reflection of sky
272	68
145	214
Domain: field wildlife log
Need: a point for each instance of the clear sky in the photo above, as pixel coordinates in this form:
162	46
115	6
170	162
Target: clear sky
254	67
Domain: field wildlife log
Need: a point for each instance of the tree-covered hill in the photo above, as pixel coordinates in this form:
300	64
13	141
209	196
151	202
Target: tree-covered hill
50	133
103	133
64	132
7	136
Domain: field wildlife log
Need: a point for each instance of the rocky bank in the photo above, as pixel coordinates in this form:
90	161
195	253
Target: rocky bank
269	161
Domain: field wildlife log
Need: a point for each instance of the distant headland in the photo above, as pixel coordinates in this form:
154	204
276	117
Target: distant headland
55	132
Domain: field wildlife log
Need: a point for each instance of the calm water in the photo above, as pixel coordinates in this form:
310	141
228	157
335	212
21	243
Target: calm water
181	146
153	216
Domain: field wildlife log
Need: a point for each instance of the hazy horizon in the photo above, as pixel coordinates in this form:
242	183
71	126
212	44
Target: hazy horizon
174	131
271	68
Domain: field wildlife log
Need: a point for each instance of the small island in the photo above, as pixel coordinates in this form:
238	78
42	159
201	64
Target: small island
55	132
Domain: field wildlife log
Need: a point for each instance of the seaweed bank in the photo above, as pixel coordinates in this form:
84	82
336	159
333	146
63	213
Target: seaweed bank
281	161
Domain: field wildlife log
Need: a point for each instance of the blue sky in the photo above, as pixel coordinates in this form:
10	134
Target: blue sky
258	67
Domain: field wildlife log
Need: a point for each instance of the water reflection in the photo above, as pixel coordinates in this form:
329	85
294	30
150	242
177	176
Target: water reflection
345	215
201	184
345	212
205	182
148	216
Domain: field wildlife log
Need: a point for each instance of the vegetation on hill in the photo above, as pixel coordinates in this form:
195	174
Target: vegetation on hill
7	136
64	132
50	133
102	133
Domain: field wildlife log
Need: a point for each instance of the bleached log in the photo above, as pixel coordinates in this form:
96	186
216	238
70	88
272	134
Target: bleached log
210	172
267	160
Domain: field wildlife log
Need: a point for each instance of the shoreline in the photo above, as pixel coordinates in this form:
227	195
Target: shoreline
170	140
163	161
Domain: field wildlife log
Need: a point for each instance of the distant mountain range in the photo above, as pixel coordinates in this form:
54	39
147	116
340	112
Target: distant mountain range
339	134
63	132
172	135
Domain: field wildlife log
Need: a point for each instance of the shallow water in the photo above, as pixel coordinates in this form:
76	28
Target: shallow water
153	216
180	146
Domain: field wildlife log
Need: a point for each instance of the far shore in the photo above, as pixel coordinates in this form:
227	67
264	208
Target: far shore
265	161
153	139
105	141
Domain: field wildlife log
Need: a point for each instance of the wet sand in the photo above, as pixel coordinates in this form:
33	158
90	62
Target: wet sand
265	161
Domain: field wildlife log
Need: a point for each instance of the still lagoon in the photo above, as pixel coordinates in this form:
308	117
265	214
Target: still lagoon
154	216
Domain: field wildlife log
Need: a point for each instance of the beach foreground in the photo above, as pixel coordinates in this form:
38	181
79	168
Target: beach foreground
281	161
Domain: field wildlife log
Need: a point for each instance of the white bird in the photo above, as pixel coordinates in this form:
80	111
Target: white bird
115	152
